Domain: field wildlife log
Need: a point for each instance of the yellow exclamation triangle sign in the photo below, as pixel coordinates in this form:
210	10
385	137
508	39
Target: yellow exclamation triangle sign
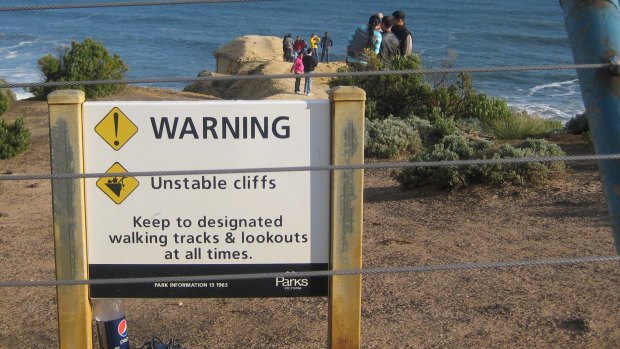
116	128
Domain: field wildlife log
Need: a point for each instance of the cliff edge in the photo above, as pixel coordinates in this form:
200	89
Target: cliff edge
257	55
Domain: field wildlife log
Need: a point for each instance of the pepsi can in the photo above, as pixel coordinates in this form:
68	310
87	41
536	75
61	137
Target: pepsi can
113	334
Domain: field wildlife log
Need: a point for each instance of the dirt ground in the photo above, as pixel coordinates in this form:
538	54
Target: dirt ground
534	307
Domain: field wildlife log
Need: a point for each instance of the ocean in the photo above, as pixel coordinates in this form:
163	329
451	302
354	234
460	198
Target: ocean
179	40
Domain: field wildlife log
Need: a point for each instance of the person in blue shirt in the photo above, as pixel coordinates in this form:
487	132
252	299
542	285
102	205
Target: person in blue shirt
364	37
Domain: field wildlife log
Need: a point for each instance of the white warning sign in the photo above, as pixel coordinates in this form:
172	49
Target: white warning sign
207	222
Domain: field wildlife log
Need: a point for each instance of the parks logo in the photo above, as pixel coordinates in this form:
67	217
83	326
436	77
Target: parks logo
291	283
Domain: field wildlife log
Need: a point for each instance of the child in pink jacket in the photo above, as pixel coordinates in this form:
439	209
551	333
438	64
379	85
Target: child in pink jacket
298	68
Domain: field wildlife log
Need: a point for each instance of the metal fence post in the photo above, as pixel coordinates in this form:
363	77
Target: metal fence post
74	311
345	292
593	28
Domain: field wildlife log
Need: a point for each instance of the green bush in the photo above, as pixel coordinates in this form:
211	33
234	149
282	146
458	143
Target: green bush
521	125
84	61
391	137
459	148
443	102
428	133
6	98
14	138
450	148
578	124
486	109
503	174
397	95
5	102
443	124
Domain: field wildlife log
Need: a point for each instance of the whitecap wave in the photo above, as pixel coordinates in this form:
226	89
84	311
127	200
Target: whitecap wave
546	111
28	43
10	55
21	94
561	88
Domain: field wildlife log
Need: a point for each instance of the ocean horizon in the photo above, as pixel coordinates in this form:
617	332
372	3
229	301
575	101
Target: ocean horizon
179	40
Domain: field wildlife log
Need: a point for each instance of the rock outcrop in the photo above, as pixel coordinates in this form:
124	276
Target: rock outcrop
256	55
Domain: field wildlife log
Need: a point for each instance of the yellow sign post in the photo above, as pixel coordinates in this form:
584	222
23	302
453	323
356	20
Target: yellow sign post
116	129
74	311
345	291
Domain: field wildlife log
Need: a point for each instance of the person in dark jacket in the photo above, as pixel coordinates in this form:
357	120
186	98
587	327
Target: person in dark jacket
287	46
402	33
390	45
309	65
326	45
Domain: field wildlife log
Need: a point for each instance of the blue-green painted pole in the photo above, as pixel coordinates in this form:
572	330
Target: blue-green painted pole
593	28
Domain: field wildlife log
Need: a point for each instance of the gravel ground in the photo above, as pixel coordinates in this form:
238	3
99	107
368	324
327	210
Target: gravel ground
535	307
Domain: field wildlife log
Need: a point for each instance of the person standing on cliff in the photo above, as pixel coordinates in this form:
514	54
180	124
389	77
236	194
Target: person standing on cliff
402	33
326	45
309	65
298	68
289	56
314	44
299	45
390	45
363	38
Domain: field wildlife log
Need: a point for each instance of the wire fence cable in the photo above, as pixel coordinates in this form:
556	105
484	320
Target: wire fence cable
382	165
370	271
314	75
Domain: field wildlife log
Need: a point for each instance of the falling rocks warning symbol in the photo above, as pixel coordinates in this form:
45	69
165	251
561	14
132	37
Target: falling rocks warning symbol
117	186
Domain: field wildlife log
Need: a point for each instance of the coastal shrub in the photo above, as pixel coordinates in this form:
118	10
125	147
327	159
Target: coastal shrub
473	126
391	137
82	61
5	102
448	149
6	98
14	138
428	134
392	94
486	108
503	174
578	124
457	147
521	125
402	95
443	100
443	123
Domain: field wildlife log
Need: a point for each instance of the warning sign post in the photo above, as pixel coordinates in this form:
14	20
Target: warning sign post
207	224
215	223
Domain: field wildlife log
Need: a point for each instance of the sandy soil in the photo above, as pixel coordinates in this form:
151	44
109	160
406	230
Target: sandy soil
537	307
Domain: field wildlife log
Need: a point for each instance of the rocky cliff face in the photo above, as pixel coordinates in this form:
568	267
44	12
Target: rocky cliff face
246	51
256	55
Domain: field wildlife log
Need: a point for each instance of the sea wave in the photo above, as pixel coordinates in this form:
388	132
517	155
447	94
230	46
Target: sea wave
20	44
543	110
21	94
557	89
10	55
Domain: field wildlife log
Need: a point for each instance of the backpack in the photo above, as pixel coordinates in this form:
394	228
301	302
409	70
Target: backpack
359	43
